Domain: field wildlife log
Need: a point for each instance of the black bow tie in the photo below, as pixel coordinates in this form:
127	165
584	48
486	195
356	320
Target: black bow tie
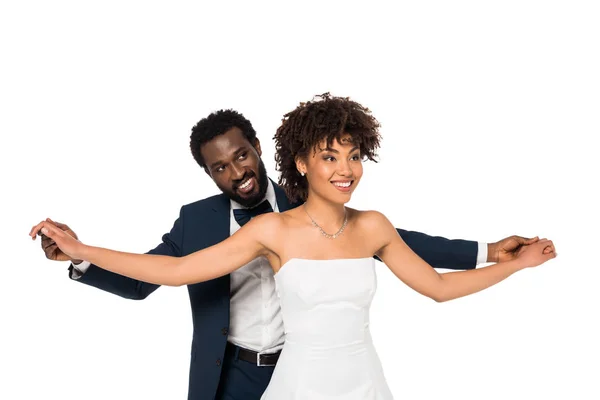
243	215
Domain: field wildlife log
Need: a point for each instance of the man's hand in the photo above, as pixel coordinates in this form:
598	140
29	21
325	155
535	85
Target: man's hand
51	249
509	248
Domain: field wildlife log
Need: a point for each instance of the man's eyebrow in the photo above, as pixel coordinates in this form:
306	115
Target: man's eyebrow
238	151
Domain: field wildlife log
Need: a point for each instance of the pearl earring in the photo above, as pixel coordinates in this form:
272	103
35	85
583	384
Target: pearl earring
302	173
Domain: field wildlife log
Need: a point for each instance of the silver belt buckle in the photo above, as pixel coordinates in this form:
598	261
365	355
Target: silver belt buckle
258	364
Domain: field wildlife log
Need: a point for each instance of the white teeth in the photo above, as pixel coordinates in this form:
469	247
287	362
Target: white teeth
244	185
342	184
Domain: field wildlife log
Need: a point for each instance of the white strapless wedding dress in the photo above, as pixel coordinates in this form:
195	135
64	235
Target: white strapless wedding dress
328	353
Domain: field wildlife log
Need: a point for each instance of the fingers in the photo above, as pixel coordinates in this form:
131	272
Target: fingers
47	242
50	230
35	230
46	228
521	240
58	224
529	241
49	246
547	247
549	256
50	250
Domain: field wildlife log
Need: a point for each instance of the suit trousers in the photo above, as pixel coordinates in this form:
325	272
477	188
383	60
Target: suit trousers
242	380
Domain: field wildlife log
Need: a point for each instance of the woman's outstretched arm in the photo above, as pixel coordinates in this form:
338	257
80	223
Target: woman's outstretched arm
420	276
248	243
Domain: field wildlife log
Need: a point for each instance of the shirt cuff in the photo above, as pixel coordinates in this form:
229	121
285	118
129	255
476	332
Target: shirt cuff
79	269
482	253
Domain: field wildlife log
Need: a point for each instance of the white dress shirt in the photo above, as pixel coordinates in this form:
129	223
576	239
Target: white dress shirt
255	322
255	318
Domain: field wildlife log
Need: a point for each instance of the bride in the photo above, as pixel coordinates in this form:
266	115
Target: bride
322	256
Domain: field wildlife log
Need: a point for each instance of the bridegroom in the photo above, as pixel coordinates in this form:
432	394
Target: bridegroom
238	330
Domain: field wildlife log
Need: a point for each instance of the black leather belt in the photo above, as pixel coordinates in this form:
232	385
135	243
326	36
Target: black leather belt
261	360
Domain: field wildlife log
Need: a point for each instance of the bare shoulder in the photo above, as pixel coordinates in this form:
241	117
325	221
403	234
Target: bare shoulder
268	222
370	220
260	227
375	228
263	231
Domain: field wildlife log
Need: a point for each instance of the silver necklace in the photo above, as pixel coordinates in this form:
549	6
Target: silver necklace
327	235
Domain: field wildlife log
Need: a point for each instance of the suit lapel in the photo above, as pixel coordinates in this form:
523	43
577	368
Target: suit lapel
220	219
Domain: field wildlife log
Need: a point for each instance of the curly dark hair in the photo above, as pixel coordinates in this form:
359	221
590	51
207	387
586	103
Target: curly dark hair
217	124
324	117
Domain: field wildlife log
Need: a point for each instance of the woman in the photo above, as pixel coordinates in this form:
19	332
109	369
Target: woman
322	254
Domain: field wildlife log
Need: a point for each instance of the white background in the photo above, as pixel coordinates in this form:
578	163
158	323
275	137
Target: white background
488	112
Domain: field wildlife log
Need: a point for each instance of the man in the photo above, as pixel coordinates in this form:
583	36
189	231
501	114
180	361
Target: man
235	345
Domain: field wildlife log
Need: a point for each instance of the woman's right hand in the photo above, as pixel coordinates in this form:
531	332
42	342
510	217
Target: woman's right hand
65	242
533	255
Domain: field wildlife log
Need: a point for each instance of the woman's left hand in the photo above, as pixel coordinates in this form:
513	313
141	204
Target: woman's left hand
65	242
536	253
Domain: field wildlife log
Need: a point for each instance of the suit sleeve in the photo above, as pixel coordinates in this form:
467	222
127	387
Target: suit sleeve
439	252
131	288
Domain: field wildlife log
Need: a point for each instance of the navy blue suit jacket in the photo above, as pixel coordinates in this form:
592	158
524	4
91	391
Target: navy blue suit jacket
205	223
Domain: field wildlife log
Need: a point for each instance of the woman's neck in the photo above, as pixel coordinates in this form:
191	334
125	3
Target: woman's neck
328	215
